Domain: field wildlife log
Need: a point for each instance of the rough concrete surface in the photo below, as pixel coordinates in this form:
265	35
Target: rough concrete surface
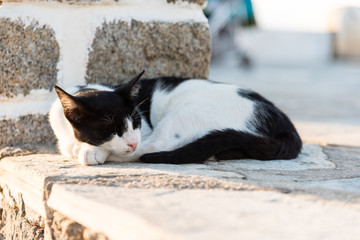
65	228
28	57
14	224
163	49
31	129
13	152
346	162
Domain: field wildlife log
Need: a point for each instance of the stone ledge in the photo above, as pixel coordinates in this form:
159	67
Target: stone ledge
111	219
201	214
33	176
67	194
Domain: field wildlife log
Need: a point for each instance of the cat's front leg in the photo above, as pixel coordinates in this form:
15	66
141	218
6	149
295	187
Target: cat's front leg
91	155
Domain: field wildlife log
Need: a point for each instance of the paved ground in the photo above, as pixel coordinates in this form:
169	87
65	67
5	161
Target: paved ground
316	196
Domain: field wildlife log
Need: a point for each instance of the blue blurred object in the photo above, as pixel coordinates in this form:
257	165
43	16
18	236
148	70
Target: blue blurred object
224	18
221	12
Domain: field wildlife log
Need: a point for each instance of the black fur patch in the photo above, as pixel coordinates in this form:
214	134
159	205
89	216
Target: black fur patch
268	120
170	83
253	96
226	145
143	100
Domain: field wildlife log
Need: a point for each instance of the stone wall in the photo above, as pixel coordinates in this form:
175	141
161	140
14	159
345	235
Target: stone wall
74	42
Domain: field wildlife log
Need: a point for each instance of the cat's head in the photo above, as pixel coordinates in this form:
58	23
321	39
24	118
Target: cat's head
105	118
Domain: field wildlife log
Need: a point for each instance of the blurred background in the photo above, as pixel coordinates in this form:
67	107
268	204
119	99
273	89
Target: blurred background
285	32
304	55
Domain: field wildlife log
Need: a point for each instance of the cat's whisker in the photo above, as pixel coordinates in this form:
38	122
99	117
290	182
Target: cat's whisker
107	118
144	111
137	107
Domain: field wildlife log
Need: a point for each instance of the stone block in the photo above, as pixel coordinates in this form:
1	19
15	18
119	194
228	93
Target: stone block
121	49
28	57
33	129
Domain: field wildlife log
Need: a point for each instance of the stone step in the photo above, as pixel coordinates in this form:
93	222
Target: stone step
55	197
199	214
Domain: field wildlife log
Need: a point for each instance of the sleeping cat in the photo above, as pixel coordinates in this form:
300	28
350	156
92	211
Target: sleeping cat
170	120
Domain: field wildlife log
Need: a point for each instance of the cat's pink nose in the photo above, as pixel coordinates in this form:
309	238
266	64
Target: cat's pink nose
133	145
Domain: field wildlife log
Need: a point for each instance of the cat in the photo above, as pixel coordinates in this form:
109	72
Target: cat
170	120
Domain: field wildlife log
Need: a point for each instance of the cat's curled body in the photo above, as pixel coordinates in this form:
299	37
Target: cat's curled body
170	120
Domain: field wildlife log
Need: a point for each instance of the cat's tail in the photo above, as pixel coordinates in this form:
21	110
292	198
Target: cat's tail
231	144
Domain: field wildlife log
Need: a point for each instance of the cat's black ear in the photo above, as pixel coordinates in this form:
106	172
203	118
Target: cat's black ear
130	89
73	110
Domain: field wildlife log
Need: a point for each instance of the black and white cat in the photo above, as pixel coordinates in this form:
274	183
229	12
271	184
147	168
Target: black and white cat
170	120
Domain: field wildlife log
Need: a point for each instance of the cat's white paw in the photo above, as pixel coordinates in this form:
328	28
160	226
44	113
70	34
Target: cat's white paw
92	155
